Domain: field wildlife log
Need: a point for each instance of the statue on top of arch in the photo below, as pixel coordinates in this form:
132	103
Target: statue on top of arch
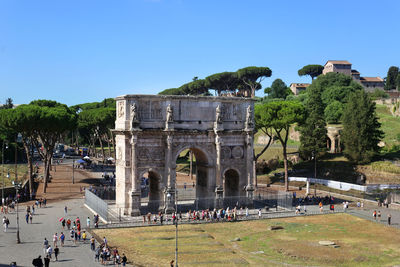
170	114
249	119
169	118
134	116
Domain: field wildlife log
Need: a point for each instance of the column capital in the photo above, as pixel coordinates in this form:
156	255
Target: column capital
134	140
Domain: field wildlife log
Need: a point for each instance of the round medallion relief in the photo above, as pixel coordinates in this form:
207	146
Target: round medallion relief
237	152
226	152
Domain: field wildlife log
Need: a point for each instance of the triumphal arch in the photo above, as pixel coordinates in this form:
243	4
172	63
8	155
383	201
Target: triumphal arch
152	130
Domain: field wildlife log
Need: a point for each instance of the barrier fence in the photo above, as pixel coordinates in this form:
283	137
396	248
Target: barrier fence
98	199
97	204
347	186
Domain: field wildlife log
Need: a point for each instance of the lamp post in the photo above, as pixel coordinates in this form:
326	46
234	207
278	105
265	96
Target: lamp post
2	172
315	172
17	186
176	225
73	171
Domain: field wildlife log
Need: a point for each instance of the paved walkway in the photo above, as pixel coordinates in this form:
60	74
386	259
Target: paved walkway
45	224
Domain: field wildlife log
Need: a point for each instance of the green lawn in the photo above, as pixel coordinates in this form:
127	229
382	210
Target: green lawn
390	125
361	243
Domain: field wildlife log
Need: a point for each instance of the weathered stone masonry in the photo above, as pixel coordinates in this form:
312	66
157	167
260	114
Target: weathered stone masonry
151	131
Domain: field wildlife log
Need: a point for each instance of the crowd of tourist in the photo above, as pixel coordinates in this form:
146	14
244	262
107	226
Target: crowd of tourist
207	215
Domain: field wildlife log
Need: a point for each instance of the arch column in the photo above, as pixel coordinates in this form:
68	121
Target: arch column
249	165
218	178
134	203
169	192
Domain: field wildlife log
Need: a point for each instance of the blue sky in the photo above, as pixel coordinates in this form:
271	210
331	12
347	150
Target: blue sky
84	51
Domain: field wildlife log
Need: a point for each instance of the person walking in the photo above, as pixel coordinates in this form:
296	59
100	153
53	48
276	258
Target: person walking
92	243
49	251
56	251
55	239
27	217
46	261
45	245
65	210
62	239
259	213
379	215
88	222
30	217
97	254
5	224
124	259
63	223
37	262
374	215
389	217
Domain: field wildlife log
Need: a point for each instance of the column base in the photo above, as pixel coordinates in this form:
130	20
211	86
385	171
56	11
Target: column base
134	209
169	126
219	200
169	200
250	191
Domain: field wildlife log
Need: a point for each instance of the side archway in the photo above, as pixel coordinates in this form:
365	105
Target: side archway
231	187
151	191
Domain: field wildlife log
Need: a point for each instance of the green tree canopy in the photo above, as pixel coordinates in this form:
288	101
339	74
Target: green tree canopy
107	102
361	129
171	91
311	70
252	77
333	112
55	119
24	120
223	82
96	123
333	87
280	115
391	78
278	89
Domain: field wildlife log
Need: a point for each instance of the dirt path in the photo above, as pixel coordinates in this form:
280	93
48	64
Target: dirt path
61	187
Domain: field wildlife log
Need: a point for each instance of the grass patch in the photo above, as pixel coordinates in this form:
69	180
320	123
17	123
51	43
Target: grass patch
273	152
385	166
390	125
362	243
22	171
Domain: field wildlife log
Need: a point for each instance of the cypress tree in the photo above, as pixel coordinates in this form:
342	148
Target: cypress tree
361	128
313	130
391	78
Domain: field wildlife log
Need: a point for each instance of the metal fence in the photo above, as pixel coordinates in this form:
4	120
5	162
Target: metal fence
102	201
97	204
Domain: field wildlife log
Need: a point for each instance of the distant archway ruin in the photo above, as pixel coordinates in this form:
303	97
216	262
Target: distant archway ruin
151	131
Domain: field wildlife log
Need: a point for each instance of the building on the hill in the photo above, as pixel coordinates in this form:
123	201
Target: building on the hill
355	75
296	88
338	66
370	84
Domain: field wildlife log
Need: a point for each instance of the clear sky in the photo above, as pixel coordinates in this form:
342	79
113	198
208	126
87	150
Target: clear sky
77	51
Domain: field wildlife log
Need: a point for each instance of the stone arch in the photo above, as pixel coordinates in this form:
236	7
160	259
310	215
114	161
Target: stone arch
203	169
231	185
231	180
154	189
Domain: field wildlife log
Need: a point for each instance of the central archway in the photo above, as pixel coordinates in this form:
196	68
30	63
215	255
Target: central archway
198	190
